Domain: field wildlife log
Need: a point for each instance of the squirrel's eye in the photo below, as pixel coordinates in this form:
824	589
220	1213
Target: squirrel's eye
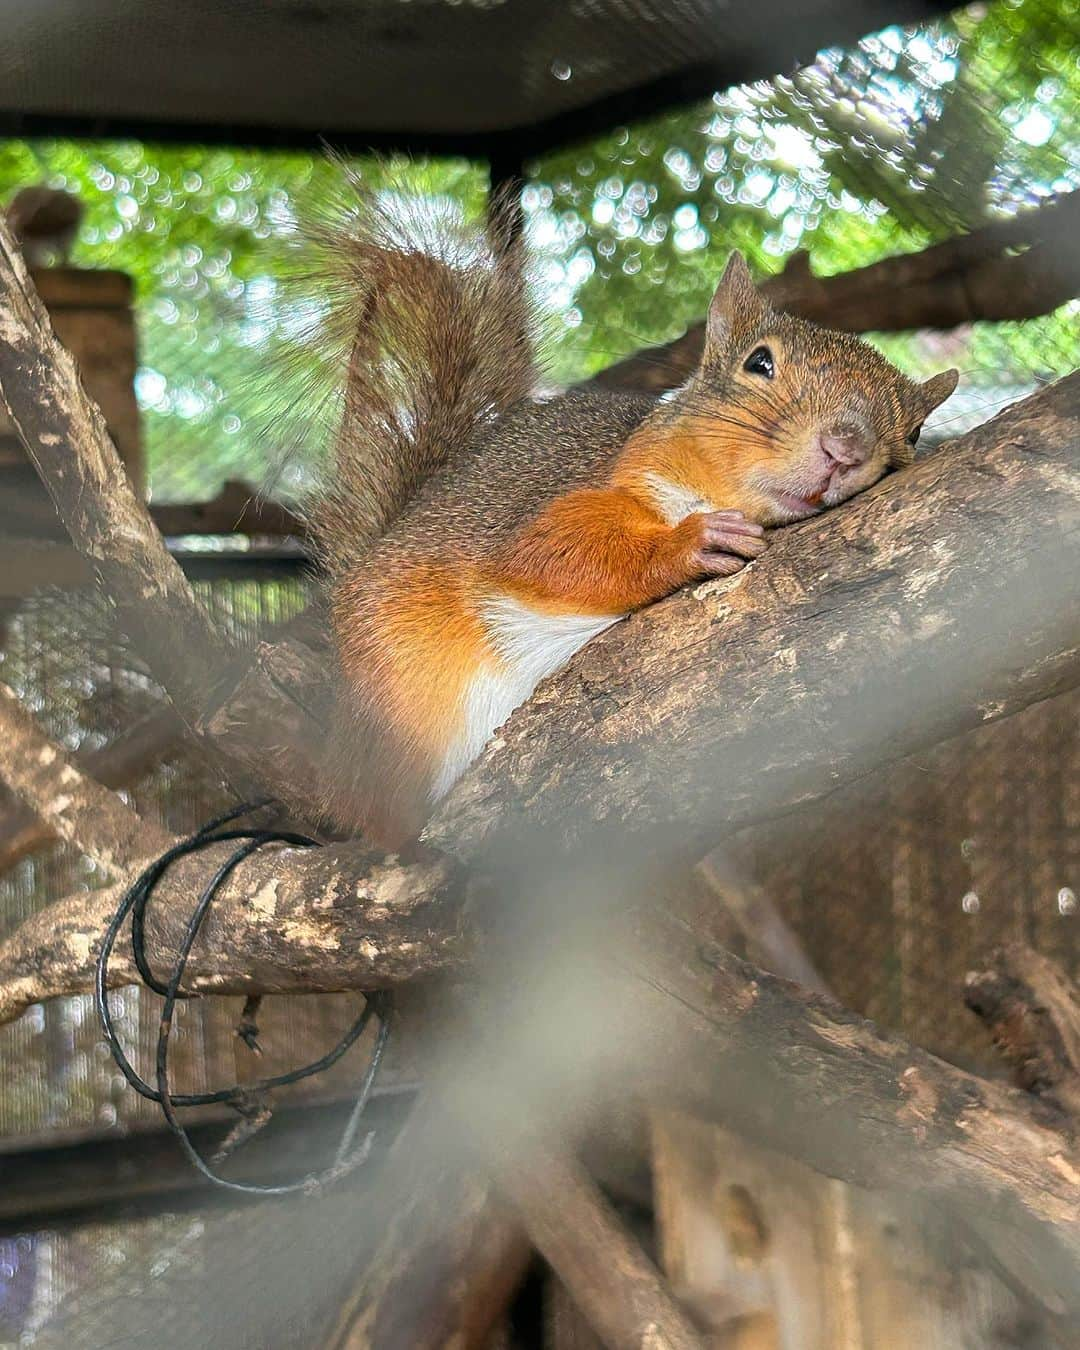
760	362
913	436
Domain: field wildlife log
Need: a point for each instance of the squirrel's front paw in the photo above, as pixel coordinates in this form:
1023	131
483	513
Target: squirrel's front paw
726	542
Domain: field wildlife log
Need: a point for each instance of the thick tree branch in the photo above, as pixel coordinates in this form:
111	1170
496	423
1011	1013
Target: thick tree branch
1014	269
288	921
934	603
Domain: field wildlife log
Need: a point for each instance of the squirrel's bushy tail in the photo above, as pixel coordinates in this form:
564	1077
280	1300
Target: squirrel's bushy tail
431	322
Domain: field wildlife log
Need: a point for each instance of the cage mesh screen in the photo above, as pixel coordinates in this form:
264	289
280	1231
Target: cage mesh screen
897	887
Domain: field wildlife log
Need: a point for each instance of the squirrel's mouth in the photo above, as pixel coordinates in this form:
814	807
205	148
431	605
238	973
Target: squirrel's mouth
799	506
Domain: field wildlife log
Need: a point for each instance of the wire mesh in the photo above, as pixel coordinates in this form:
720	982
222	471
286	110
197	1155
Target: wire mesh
897	887
904	139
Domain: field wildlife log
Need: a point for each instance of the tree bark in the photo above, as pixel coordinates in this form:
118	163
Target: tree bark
1032	1010
290	920
76	807
1014	269
137	750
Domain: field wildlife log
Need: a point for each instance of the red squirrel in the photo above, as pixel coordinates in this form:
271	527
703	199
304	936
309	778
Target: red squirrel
476	538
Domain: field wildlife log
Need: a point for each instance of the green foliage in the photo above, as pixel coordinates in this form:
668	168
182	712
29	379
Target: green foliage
904	139
205	235
907	138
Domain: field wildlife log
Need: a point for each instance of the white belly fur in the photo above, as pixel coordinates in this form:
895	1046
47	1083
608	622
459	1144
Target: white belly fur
527	645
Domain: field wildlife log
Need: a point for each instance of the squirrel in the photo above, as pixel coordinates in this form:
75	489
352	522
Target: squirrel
476	537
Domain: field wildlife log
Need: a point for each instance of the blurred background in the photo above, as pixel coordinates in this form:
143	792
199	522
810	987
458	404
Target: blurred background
173	289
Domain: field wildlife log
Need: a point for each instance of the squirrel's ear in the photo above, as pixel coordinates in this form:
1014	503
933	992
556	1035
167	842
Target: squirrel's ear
934	391
736	302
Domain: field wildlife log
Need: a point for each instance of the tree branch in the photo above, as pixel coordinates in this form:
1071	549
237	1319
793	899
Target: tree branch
289	921
67	440
796	1072
622	1295
1032	1010
981	275
136	750
73	805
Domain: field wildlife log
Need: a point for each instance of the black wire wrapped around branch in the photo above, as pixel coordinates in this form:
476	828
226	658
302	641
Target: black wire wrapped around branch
134	904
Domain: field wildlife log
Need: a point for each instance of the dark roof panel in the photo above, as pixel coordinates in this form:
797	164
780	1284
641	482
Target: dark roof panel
428	73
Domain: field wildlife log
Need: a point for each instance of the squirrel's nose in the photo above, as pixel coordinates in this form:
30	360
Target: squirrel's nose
845	442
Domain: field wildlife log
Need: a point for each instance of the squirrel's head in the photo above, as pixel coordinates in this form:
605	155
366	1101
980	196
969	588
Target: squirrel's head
798	417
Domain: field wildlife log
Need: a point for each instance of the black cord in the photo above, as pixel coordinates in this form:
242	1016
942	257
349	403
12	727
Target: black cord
134	903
